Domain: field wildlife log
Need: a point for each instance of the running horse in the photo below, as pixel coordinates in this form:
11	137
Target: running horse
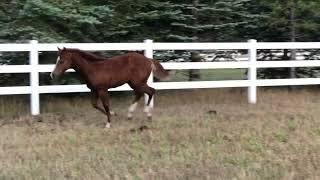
101	74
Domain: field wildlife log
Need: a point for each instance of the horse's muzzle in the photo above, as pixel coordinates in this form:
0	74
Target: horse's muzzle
54	76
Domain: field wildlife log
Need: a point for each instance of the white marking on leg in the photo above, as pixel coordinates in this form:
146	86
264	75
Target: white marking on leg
131	109
148	111
108	125
129	115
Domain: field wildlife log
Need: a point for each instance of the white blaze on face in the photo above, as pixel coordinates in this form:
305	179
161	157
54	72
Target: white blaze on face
58	59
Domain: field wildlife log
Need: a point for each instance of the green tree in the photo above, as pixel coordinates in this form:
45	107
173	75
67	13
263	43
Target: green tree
53	21
169	21
180	21
50	21
290	20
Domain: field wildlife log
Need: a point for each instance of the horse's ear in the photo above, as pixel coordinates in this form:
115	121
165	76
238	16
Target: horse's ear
64	48
59	49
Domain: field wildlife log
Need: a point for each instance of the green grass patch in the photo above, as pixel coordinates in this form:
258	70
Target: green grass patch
212	74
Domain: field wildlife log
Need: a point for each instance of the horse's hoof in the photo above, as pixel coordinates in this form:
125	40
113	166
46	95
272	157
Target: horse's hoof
112	113
108	125
150	118
129	118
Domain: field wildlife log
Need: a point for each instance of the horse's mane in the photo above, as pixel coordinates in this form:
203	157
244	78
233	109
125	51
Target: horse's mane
87	55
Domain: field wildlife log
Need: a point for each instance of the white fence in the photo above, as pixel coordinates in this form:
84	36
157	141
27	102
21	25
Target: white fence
148	47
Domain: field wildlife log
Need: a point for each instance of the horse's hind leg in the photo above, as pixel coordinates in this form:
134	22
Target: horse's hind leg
134	104
140	89
150	91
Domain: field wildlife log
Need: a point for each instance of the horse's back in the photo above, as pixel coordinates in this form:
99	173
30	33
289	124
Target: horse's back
132	68
140	67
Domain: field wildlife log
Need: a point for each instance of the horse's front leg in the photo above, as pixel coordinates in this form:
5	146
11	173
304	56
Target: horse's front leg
104	96
94	102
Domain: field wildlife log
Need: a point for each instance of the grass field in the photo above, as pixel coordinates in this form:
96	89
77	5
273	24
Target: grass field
212	74
195	134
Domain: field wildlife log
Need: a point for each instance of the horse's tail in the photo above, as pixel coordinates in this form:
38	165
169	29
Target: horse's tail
158	71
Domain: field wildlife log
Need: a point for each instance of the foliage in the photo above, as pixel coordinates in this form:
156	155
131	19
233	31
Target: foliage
172	20
290	20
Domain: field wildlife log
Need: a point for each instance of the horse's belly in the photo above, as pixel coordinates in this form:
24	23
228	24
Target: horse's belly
115	84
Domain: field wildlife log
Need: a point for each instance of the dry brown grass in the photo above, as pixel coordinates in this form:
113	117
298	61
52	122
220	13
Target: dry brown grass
196	134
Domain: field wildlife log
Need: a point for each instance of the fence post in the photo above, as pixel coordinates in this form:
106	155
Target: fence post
148	52
252	72
34	78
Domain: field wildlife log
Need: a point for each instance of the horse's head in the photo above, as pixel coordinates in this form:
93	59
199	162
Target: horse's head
64	62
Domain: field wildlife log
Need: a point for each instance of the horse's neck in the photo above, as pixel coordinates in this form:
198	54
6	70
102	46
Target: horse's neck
82	66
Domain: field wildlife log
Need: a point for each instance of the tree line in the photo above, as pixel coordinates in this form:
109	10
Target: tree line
163	21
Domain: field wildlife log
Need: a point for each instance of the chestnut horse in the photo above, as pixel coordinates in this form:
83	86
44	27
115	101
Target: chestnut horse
101	73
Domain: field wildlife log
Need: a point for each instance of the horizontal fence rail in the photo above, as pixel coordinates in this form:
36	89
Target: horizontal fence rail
183	65
148	46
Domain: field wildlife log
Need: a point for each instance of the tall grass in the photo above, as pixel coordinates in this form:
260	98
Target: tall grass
195	134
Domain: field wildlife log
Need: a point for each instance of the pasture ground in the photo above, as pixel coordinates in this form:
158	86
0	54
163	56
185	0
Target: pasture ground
195	134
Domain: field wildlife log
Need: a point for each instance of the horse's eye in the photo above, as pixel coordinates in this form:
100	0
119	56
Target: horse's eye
60	62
